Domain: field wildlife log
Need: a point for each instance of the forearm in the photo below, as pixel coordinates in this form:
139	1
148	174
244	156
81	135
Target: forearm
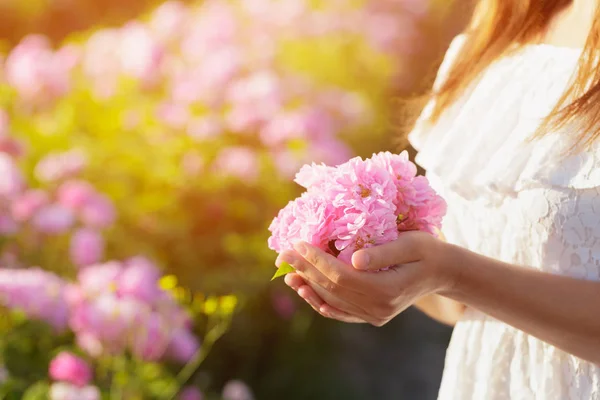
442	309
561	311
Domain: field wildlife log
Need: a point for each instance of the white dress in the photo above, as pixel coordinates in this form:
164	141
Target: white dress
518	202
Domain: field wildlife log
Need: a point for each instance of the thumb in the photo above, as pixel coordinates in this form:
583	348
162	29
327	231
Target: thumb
400	251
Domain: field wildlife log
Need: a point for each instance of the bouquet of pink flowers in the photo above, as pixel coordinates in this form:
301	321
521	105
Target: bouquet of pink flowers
358	204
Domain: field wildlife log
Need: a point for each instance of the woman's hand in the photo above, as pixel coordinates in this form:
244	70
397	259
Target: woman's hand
339	291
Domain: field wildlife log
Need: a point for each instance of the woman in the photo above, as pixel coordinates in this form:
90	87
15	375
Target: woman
510	139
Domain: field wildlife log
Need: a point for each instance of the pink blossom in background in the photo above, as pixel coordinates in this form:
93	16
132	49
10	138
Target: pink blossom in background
98	212
173	115
69	368
241	162
37	293
191	393
139	279
119	306
151	338
36	72
205	128
8	226
99	278
66	391
168	21
192	163
284	305
12	181
183	346
57	166
237	390
4	123
53	219
74	194
87	247
140	53
28	203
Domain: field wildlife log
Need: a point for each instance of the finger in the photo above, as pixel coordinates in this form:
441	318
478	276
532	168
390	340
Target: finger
334	313
404	250
310	273
339	273
294	280
338	303
308	294
312	298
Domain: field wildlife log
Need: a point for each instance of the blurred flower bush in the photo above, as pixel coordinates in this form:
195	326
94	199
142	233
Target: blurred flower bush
193	119
173	136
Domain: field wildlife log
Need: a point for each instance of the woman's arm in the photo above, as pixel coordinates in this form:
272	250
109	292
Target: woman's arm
561	311
442	309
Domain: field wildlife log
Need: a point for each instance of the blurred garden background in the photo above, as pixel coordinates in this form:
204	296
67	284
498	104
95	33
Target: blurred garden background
145	147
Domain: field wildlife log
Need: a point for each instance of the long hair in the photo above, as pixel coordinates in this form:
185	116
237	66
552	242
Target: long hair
496	26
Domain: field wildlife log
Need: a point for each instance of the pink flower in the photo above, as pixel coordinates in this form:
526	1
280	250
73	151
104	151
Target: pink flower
284	306
36	72
100	278
140	53
151	339
12	181
74	194
98	212
57	166
37	293
183	346
169	20
241	162
69	368
191	393
26	205
204	128
309	218
4	123
237	390
53	219
358	204
8	226
140	280
65	391
87	247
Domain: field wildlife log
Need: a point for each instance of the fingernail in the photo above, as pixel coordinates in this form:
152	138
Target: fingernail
361	260
300	248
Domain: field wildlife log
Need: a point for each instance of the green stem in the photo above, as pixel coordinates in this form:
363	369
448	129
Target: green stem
194	364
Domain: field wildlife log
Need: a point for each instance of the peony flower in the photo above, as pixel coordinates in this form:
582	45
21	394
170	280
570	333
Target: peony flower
358	204
69	368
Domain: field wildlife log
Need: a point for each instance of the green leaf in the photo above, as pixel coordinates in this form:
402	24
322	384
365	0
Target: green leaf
283	269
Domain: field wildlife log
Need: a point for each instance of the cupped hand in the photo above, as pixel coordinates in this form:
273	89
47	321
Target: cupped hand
382	281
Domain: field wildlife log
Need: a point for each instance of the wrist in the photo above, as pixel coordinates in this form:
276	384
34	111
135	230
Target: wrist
451	269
